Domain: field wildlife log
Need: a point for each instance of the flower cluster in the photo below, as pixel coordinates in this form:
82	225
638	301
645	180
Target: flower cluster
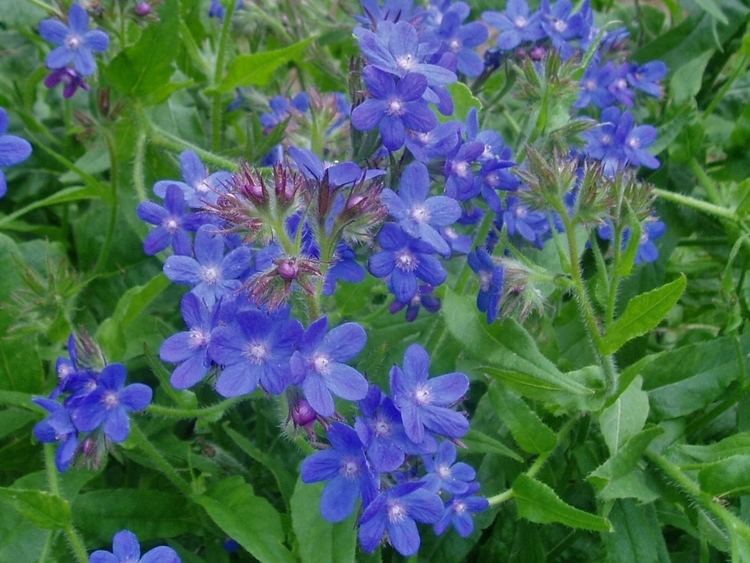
90	407
72	59
126	549
399	460
13	150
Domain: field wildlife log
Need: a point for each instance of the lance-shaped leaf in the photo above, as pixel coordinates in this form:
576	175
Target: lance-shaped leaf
527	429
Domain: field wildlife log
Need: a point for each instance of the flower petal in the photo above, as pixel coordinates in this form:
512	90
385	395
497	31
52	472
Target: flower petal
136	396
338	499
238	379
117	425
344	342
346	382
320	466
318	395
125	545
404	536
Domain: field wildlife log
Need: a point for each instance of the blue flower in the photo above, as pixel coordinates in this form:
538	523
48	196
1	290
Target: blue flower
438	142
460	40
75	43
57	427
108	405
382	433
423	298
617	141
172	223
255	349
346	472
339	173
393	107
651	230
444	474
320	364
562	26
391	10
460	182
395	48
344	268
405	260
521	220
425	403
396	512
189	349
418	215
200	187
491	278
647	77
212	275
126	549
460	244
458	512
12	150
516	25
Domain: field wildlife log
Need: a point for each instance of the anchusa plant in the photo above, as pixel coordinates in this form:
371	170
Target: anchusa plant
382	279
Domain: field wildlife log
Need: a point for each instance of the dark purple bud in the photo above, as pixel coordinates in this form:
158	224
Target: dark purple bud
537	53
288	269
302	413
142	9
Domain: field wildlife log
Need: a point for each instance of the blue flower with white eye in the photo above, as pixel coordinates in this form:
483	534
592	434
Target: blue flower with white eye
57	427
254	350
425	404
199	187
172	223
404	260
418	215
108	404
444	474
491	278
393	107
75	43
126	549
516	24
12	150
395	513
320	364
345	470
459	510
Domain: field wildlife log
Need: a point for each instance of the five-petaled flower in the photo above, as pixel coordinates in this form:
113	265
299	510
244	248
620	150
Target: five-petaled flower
126	549
75	43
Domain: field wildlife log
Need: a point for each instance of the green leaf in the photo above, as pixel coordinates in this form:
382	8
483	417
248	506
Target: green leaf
626	458
145	67
149	513
730	476
715	11
642	314
686	82
246	518
319	541
528	430
44	509
625	417
637	535
508	353
463	100
735	445
257	69
690	378
479	442
538	503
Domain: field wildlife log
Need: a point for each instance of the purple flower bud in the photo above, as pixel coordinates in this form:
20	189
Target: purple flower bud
302	413
142	9
288	269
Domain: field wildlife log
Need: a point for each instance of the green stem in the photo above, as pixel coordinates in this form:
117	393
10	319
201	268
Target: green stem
697	204
161	137
216	108
538	464
47	8
166	468
705	500
114	172
199	412
614	284
76	543
139	176
736	73
712	191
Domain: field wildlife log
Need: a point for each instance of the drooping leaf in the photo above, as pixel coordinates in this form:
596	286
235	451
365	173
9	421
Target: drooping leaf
538	503
528	430
729	476
44	509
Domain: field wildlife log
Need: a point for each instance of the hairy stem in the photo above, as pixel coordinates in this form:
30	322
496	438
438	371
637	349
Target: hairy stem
216	109
166	468
114	172
161	137
198	412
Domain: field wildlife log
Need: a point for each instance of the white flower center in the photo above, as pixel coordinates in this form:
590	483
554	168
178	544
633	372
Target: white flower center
256	352
422	395
634	143
406	62
396	512
420	214
64	371
382	427
461	168
424	138
590	85
73	41
606	139
321	364
203	186
493	179
444	471
455	45
559	25
171	224
485	278
406	261
520	22
349	468
395	107
210	274
459	507
110	400
199	338
450	233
